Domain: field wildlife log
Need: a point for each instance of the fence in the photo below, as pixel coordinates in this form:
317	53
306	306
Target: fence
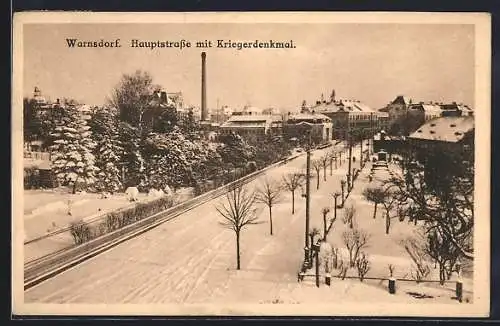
391	281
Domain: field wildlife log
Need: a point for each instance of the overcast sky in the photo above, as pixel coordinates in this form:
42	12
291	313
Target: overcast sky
370	62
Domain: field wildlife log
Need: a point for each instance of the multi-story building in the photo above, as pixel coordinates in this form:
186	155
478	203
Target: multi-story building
456	110
453	133
253	124
348	116
300	124
397	108
424	111
383	120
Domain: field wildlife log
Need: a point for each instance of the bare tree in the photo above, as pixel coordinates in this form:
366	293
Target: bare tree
324	163
269	193
291	182
334	218
355	240
391	200
331	157
317	165
376	196
342	187
349	215
325	212
391	270
439	191
416	250
362	265
238	213
132	96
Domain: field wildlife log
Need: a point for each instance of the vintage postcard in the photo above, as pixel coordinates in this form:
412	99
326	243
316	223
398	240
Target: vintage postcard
289	164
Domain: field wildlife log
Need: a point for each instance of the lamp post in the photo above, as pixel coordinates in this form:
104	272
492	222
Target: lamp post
307	262
350	159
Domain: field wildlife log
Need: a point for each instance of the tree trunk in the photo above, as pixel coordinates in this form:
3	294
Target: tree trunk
375	211
271	220
331	167
293	202
442	276
387	223
74	187
237	250
317	181
324	227
324	173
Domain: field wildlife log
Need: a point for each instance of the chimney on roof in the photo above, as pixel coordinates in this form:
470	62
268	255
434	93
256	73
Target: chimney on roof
204	112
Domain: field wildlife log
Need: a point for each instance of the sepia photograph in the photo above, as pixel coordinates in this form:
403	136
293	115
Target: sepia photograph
289	164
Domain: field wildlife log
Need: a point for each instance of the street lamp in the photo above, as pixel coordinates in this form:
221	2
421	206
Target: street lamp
307	262
350	159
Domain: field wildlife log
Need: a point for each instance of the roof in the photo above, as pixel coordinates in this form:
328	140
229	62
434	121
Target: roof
383	114
342	105
251	121
427	108
309	116
401	99
448	129
254	118
455	106
253	124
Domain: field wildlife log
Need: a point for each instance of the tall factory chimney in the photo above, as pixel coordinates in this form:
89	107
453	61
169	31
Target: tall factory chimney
204	112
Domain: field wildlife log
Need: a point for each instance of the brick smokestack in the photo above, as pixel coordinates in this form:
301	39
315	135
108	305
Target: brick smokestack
204	113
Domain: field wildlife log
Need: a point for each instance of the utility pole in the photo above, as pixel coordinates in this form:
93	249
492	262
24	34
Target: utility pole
307	263
361	149
350	159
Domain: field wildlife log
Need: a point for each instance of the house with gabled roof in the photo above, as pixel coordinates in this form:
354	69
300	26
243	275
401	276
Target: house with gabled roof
453	133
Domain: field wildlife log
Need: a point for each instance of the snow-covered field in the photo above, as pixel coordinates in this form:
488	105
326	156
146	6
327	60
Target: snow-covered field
46	211
191	259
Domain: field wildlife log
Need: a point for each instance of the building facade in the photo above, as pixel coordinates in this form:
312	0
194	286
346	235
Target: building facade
451	133
253	124
298	125
348	116
456	110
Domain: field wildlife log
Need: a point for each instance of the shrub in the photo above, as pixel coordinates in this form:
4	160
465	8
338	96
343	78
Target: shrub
80	232
362	265
111	221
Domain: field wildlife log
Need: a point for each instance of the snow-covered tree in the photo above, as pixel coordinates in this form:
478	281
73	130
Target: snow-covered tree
104	124
170	159
72	148
132	157
235	150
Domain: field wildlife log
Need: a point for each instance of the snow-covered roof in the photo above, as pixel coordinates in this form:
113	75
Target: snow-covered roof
309	117
448	129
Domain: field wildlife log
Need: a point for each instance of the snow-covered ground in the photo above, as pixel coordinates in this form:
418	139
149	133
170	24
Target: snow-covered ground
46	212
191	259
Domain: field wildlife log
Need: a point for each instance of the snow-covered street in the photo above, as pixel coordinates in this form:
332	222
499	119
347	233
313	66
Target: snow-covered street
192	259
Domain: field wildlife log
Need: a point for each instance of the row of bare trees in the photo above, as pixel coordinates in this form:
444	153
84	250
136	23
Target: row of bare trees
239	207
329	159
